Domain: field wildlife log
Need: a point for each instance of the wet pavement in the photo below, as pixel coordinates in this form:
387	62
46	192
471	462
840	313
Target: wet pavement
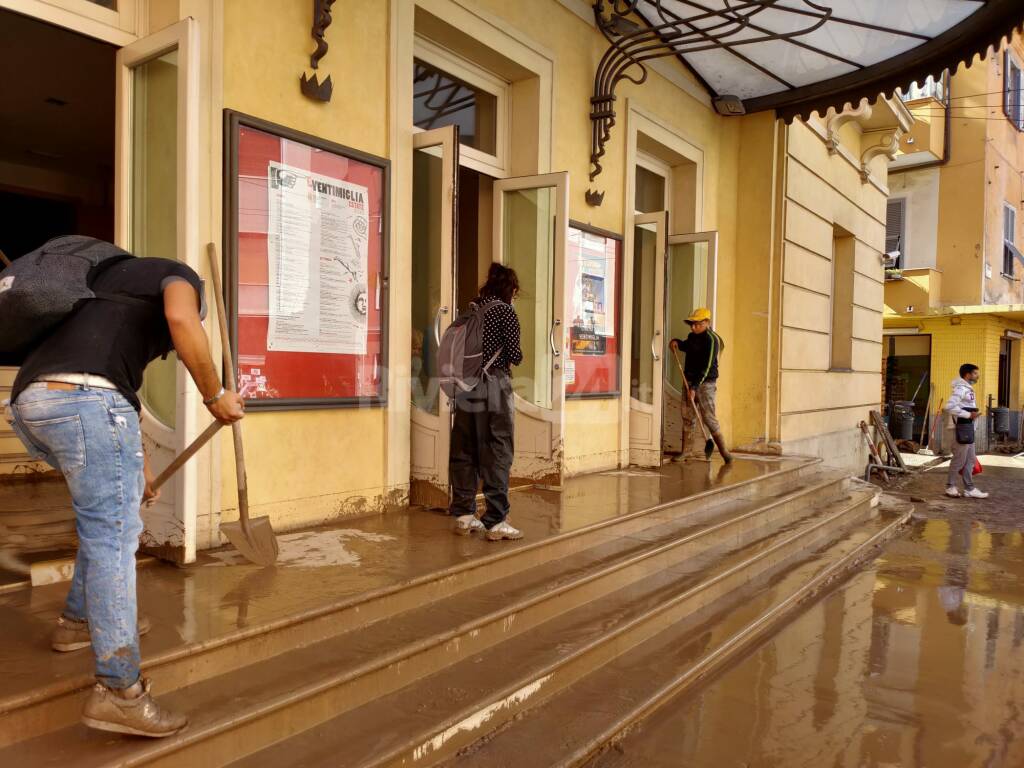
210	601
916	660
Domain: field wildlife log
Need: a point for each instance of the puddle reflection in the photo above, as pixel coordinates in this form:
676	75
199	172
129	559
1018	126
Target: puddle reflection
914	662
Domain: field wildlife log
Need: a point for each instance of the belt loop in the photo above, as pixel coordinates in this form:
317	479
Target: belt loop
85	381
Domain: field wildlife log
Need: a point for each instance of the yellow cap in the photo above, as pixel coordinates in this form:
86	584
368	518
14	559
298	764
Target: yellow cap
699	314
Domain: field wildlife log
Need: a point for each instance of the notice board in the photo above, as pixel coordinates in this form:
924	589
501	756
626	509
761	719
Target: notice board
307	265
592	306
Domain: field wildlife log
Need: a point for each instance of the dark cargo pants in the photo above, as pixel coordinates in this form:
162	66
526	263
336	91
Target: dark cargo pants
482	448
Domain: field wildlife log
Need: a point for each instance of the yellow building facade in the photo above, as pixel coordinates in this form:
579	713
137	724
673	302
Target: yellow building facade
779	228
954	236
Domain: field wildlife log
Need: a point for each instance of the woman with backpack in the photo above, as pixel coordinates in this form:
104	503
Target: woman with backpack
482	431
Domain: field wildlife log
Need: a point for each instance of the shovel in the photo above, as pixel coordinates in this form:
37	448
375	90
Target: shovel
185	455
252	537
709	444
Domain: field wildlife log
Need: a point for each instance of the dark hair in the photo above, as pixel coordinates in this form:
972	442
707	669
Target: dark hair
967	368
502	283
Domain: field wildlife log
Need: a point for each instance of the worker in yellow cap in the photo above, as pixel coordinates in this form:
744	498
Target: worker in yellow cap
702	347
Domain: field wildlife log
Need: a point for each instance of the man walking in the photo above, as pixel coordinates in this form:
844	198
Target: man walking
74	405
702	347
963	412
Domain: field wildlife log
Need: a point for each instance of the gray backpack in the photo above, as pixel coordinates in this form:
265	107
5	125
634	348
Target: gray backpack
461	354
44	286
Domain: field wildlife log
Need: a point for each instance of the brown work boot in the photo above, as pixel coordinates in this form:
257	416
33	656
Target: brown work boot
720	442
130	710
72	635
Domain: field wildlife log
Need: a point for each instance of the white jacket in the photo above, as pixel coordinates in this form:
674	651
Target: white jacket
962	397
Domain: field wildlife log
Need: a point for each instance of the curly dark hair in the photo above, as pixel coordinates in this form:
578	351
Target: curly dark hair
502	283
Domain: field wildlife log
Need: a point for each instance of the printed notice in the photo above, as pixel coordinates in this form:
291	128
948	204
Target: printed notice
318	254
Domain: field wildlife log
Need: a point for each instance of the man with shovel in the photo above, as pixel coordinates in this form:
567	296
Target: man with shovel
74	405
702	347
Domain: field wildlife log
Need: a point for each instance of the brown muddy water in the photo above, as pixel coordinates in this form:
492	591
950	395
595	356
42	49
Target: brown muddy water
914	661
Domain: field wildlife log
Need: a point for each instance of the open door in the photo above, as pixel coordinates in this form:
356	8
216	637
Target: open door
531	228
647	361
156	214
691	274
435	183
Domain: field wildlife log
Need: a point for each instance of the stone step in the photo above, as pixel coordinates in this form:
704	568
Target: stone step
13	463
261	702
433	719
573	728
39	709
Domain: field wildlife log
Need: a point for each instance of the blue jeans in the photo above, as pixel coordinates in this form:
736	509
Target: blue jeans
92	436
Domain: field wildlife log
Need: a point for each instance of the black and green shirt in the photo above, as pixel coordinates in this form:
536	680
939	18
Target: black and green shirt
702	351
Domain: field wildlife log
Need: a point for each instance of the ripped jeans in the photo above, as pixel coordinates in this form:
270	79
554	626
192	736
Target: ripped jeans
92	436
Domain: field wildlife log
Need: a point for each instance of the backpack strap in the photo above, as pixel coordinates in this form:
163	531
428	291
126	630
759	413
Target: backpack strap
120	298
491	361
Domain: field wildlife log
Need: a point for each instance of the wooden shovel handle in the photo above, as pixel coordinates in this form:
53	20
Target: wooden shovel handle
689	393
230	385
187	454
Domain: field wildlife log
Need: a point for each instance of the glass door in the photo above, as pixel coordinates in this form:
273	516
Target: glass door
156	214
690	282
648	344
435	183
531	227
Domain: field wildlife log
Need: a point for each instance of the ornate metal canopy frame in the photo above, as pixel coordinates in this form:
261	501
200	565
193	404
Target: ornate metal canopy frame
639	31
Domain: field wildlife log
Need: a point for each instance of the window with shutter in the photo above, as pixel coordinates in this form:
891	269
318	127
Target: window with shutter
1009	236
1013	84
895	221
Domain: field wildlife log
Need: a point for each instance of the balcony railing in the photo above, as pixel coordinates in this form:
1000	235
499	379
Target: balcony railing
932	88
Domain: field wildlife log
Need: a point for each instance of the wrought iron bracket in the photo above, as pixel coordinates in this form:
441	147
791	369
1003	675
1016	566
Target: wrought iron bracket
634	37
311	86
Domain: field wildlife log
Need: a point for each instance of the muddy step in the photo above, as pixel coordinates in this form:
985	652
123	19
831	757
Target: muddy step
13	463
432	718
46	707
572	729
423	640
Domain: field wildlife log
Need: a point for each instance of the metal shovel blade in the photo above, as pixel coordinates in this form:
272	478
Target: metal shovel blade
257	545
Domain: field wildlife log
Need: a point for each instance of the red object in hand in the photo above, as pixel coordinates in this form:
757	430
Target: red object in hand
977	467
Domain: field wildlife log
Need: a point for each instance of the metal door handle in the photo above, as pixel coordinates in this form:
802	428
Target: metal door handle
437	324
551	337
654	350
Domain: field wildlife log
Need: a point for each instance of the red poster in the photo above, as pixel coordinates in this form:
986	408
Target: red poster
310	255
592	313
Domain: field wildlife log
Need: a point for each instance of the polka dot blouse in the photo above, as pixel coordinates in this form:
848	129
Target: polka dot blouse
501	331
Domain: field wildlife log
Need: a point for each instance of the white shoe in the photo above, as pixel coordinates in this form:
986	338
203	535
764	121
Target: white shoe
974	493
951	490
503	531
466	524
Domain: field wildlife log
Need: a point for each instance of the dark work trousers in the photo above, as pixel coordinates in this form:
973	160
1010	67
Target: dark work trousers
482	448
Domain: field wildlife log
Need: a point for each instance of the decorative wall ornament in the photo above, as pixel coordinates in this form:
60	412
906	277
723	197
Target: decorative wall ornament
835	122
889	146
311	85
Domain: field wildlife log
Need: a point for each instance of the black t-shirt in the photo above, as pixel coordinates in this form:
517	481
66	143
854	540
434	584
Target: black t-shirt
113	339
702	351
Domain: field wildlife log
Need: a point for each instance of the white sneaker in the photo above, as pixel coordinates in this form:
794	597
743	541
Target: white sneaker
974	493
951	490
466	524
503	531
